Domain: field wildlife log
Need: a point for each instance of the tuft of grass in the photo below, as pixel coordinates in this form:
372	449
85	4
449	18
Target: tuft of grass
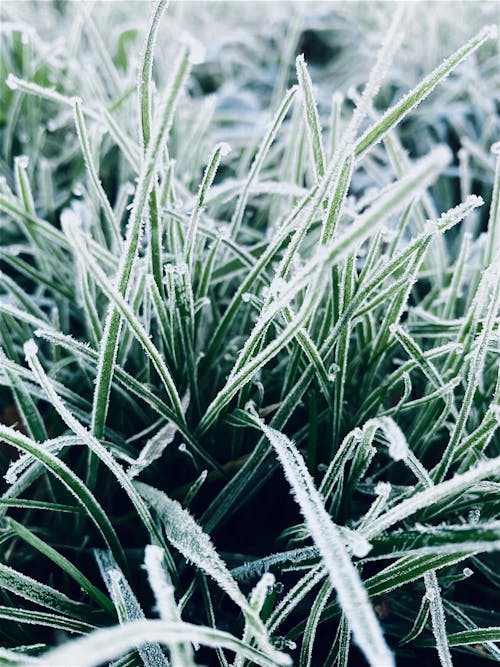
235	263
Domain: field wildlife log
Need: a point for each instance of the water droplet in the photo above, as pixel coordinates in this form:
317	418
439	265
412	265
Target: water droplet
279	587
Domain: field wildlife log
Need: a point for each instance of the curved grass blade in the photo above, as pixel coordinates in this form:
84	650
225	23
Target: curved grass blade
109	343
196	546
94	445
55	621
104	645
73	483
66	565
396	113
127	606
181	655
343	575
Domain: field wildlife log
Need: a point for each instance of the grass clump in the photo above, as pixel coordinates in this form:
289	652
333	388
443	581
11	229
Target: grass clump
216	289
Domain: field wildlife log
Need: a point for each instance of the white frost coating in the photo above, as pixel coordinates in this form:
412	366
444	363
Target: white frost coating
259	593
133	322
495	409
160	585
391	43
127	606
181	655
196	546
491	31
12	657
359	547
22	161
383	489
69	219
397	195
345	578
10	476
20	465
197	50
311	117
415	96
220	150
398	447
30	348
104	645
454	215
153	449
277	286
93	443
224	148
438	618
11	82
432	495
257	599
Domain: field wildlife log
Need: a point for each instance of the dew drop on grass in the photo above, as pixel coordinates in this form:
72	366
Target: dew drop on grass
279	587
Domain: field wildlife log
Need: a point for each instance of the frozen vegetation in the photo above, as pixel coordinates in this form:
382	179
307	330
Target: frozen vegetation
249	334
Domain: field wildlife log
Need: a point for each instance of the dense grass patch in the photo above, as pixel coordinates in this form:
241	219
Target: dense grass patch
249	334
